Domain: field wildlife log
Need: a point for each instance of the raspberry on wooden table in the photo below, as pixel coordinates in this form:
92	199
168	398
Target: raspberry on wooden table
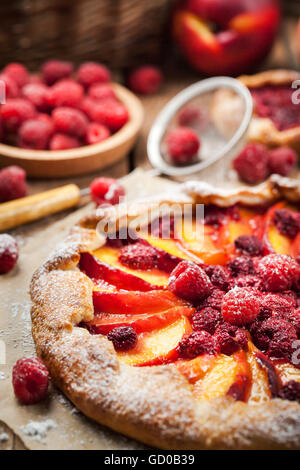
230	338
102	91
35	134
70	121
12	183
11	87
145	80
252	163
92	72
106	191
139	256
65	92
287	222
54	70
189	282
15	111
60	141
278	272
96	133
241	305
249	245
282	161
123	338
30	380
290	391
196	344
207	319
9	253
17	72
182	145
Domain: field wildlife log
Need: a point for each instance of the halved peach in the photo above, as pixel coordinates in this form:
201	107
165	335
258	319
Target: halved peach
135	302
157	347
99	271
229	375
104	323
295	249
195	369
110	256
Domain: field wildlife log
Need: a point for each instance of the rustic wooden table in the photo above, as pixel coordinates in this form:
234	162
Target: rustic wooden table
178	76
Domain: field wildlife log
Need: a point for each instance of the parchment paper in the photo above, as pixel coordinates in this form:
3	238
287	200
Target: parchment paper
68	429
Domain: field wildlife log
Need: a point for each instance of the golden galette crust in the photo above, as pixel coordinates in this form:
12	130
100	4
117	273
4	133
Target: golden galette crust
225	104
152	404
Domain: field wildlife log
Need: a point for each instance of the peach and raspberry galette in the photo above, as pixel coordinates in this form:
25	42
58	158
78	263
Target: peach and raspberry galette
276	116
181	341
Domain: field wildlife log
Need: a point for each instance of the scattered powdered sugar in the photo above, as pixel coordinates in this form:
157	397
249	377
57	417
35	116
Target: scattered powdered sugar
2	375
38	429
4	437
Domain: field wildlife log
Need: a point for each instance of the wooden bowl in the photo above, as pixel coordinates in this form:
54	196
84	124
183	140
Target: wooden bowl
86	159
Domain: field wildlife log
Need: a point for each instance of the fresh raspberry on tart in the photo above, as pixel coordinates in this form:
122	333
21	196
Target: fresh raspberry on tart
241	305
189	282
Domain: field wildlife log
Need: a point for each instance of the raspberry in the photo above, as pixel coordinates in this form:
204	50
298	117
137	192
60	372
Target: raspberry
36	94
102	91
282	161
230	338
10	87
241	305
9	253
96	133
30	380
15	111
106	191
278	272
54	70
214	216
87	105
189	281
182	145
145	80
206	319
196	344
293	317
241	266
252	163
17	72
219	276
65	92
290	391
274	304
92	72
70	121
214	300
123	338
35	134
190	116
287	222
110	113
12	183
249	245
247	281
63	142
139	256
275	336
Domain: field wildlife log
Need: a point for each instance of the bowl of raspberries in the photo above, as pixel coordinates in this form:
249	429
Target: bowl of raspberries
62	122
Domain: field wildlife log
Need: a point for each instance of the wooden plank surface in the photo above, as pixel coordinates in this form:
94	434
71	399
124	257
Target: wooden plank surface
178	76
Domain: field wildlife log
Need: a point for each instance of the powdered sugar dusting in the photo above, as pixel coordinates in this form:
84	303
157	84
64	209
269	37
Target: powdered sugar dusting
38	429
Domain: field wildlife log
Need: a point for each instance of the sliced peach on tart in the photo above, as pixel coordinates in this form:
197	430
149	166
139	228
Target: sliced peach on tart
195	369
230	375
103	323
157	347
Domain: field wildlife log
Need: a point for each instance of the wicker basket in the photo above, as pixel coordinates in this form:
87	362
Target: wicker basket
120	33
